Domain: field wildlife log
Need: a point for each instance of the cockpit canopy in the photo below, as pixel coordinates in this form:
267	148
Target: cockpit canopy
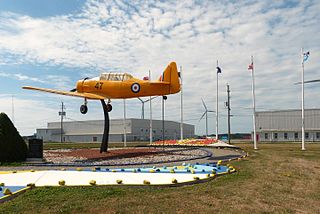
115	76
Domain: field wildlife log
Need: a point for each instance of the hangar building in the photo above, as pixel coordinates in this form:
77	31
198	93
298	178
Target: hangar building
92	130
285	125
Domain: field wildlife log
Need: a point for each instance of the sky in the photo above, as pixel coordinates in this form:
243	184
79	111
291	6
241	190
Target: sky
54	43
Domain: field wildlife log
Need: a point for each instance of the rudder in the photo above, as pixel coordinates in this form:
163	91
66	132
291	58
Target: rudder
171	75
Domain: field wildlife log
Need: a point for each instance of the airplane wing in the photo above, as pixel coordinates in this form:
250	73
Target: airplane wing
67	93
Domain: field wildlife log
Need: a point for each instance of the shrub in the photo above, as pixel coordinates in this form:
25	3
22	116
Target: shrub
12	146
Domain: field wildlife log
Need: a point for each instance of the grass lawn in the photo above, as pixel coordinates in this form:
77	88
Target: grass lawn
277	178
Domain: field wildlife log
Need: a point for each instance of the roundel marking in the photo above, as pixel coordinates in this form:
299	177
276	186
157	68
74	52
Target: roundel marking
135	87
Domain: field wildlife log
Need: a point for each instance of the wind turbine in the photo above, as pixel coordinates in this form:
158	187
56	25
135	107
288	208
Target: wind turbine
205	114
143	102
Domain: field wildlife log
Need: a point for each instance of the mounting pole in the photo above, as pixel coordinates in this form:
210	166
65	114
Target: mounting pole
254	107
124	124
105	137
217	106
181	105
150	125
302	104
228	106
62	113
12	117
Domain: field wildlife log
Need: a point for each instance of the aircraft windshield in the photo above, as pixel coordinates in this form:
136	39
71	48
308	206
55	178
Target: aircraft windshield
115	76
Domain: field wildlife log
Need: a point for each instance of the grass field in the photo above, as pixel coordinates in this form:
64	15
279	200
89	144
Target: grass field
276	178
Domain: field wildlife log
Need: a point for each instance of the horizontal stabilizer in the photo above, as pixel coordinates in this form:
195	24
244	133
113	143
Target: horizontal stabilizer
67	93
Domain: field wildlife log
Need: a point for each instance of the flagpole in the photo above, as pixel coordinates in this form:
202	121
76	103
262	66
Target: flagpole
302	103
254	107
124	124
150	125
217	105
181	105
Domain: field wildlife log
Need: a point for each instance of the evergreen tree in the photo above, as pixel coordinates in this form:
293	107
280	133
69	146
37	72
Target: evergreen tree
12	146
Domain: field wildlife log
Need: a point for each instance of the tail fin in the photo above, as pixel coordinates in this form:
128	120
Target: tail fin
171	75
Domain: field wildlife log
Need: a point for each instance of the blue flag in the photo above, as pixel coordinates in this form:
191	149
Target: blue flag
218	70
306	56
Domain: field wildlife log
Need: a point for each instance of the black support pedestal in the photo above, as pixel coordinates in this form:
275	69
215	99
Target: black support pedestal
105	138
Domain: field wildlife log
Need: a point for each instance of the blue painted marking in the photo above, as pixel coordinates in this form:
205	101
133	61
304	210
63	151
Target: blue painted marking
11	188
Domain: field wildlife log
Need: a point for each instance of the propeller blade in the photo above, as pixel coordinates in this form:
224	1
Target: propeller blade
205	107
203	115
73	90
150	99
309	81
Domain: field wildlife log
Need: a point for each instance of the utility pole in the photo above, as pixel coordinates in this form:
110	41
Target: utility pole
228	106
62	114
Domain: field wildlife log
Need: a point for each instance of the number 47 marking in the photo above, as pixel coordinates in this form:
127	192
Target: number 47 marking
99	85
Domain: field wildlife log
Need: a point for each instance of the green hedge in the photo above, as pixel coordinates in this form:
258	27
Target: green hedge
12	146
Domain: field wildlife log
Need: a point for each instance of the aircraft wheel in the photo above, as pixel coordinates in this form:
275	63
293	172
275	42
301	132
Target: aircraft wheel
109	107
83	109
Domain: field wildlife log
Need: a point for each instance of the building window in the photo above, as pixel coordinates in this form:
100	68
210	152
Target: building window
318	135
285	135
94	139
275	136
266	136
307	135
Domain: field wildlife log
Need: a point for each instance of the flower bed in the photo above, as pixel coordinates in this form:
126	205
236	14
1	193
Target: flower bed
187	142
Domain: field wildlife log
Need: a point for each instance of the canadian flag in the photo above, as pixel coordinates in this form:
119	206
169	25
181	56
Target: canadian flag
250	67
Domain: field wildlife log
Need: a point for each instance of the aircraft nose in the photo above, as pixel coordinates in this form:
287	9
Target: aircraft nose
79	86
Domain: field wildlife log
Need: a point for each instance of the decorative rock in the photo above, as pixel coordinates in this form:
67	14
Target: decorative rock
1	184
146	182
119	181
93	182
62	182
32	185
195	178
174	181
7	191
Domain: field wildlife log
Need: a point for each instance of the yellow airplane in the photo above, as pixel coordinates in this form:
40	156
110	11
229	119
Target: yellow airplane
120	86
